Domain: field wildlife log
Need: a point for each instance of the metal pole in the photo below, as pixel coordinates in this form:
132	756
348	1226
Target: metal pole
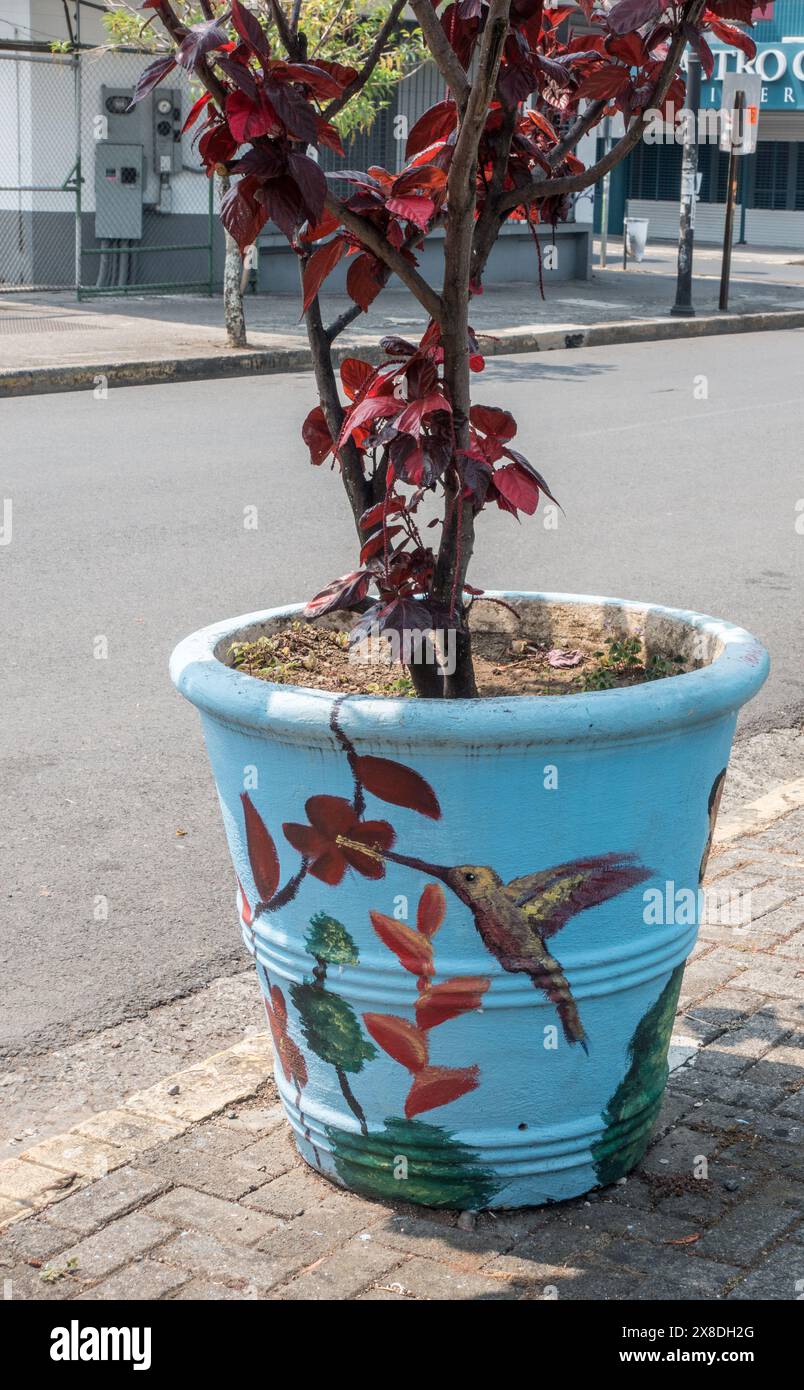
731	198
604	198
689	174
78	174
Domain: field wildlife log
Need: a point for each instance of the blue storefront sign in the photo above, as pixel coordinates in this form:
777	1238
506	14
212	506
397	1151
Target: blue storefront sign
780	66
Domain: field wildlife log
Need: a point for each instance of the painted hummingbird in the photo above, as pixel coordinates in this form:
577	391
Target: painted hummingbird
516	919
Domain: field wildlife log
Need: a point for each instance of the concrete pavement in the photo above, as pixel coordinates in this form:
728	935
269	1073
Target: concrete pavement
48	342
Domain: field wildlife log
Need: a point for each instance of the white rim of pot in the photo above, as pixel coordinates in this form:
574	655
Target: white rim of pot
295	713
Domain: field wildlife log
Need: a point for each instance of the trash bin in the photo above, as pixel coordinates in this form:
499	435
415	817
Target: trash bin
637	233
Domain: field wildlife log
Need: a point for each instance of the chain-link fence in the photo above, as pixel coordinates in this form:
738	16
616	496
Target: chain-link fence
39	95
94	196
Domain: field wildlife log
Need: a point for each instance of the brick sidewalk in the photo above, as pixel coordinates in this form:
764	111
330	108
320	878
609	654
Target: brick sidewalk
226	1210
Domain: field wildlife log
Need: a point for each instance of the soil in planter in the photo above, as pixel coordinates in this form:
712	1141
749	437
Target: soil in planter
304	653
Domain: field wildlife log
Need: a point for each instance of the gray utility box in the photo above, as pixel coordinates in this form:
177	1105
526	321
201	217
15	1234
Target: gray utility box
118	190
167	131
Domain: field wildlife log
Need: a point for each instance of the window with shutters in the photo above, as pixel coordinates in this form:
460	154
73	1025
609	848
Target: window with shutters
656	172
772	167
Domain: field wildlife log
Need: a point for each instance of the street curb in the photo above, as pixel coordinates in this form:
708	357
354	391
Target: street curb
37	381
786	797
56	1167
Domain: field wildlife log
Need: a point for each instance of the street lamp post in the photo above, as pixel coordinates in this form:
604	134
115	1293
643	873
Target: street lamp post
689	174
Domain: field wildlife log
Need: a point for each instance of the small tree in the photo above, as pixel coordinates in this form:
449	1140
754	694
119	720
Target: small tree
477	157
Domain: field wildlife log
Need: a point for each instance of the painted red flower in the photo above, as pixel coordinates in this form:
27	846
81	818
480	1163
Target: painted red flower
332	840
290	1056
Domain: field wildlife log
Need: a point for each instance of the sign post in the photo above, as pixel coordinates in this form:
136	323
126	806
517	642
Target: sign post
689	169
740	101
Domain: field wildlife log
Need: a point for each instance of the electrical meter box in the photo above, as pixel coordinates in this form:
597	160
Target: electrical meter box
167	131
118	190
118	124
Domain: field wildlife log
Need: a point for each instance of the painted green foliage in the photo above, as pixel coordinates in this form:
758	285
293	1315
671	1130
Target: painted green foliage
410	1161
331	1028
329	1023
640	1092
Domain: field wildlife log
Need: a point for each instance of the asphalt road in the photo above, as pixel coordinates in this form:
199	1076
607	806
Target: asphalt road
128	525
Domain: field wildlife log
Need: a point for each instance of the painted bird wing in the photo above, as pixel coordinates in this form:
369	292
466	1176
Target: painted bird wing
550	897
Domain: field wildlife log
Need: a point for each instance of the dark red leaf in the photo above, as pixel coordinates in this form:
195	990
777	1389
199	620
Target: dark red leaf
365	411
741	10
150	77
200	39
727	33
355	373
261	851
250	30
249	117
606	81
323	260
316	435
195	110
500	424
321	82
628	15
437	123
364	280
293	109
344	592
311	183
397	784
419	211
241	214
516	487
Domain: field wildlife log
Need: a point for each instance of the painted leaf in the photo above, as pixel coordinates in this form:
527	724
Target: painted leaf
245	908
399	785
434	1086
261	850
414	951
331	1027
323	260
450	999
432	909
400	1039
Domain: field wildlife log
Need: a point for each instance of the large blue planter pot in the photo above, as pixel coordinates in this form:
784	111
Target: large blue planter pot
470	920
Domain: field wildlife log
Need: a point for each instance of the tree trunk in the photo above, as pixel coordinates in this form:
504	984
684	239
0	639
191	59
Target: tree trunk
233	316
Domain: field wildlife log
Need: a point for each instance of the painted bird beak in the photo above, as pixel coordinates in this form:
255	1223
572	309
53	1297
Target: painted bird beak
407	861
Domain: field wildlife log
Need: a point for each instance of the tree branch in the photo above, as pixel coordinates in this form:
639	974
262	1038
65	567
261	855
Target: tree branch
203	71
442	52
372	59
577	131
375	242
537	190
290	41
